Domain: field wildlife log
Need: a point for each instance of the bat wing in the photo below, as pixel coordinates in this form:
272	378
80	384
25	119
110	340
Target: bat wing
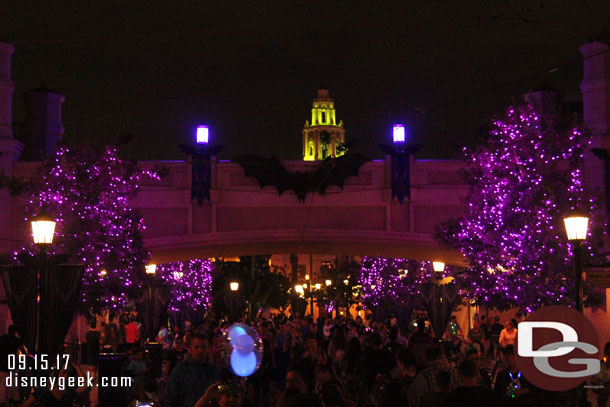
267	171
334	171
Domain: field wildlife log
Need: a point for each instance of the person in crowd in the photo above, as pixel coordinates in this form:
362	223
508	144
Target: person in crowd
132	334
325	375
137	367
332	395
121	341
92	345
190	379
508	334
108	342
61	396
494	332
177	354
476	335
338	344
511	387
486	338
298	381
225	393
474	355
454	330
163	338
418	342
406	370
471	393
427	380
395	341
10	344
439	395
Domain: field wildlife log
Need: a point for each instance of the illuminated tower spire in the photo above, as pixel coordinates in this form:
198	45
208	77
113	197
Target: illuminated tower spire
323	138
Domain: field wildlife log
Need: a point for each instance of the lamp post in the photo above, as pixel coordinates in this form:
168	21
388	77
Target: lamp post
439	268
577	225
233	299
309	287
308	290
43	231
151	270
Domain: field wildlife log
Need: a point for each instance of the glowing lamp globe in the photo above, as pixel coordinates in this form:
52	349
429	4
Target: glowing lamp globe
438	266
43	229
150	268
234	285
298	289
203	134
577	224
398	134
328	283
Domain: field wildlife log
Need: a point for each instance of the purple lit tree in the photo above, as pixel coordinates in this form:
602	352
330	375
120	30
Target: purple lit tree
391	285
87	192
523	180
191	283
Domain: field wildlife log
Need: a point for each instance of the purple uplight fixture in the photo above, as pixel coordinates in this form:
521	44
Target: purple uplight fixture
398	134
203	134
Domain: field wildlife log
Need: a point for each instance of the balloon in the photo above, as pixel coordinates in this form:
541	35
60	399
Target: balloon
244	349
234	331
243	364
244	344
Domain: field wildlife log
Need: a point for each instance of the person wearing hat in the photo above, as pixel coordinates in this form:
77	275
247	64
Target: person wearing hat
224	393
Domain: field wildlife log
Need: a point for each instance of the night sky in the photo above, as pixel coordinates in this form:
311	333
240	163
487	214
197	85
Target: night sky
250	69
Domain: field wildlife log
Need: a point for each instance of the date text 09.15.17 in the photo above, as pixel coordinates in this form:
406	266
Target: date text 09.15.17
38	362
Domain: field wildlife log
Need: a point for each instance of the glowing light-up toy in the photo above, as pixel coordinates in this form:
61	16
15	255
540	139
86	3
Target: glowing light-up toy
245	348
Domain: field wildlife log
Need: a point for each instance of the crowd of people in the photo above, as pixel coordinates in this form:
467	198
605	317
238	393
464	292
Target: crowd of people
341	362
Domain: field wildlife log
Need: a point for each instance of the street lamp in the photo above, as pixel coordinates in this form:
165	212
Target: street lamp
43	229
307	290
438	266
232	301
151	269
577	224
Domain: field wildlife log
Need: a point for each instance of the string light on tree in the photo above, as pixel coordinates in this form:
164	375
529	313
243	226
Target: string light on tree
523	179
87	192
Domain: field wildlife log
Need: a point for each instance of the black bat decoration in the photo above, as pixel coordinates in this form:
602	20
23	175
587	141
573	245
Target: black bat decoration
271	171
401	168
201	170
